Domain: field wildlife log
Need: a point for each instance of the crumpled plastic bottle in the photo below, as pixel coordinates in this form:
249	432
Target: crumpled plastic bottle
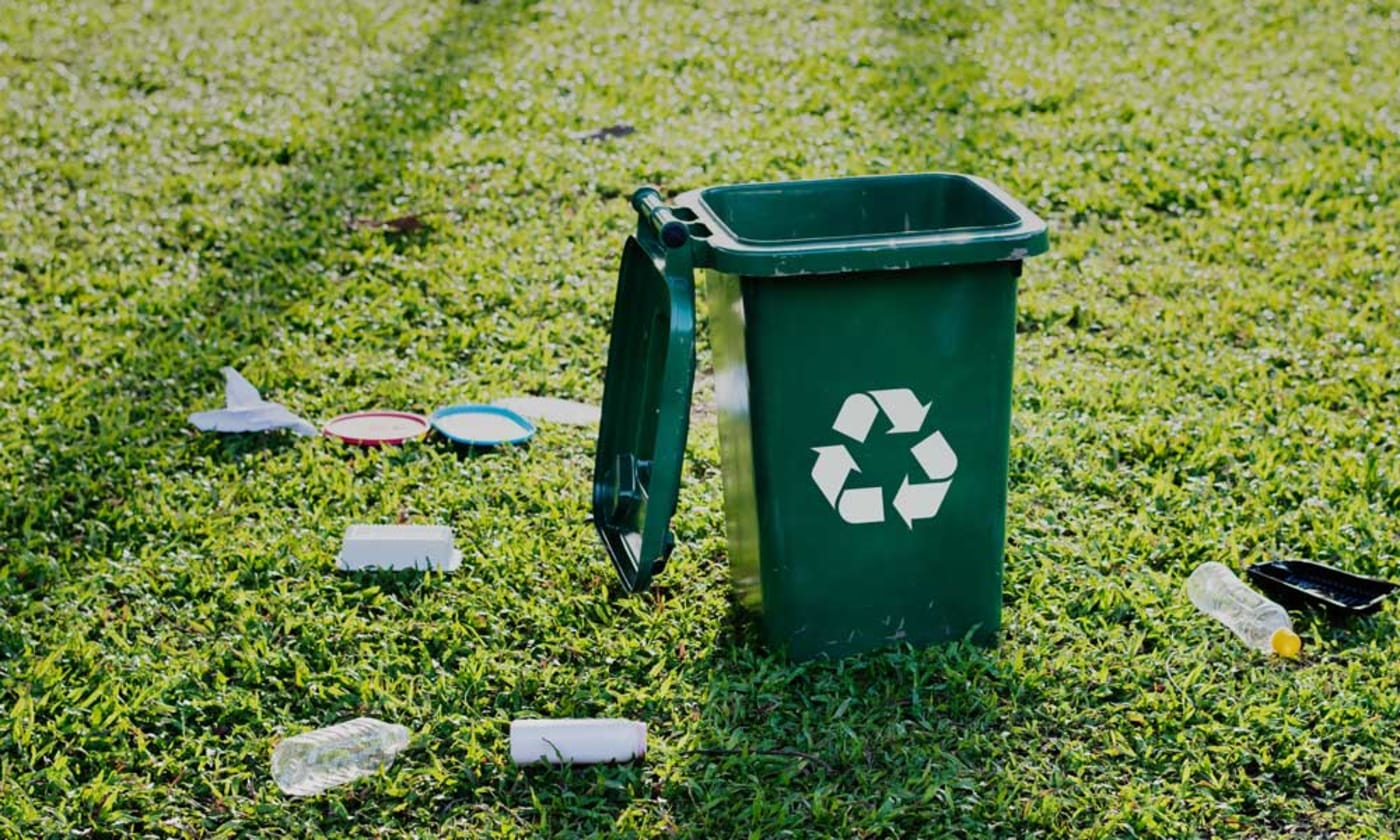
313	762
1259	622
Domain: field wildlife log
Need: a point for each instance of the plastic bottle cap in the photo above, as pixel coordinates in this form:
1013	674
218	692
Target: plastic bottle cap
1285	642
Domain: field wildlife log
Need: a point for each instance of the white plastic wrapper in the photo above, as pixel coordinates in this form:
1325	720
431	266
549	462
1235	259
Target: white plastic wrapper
553	410
247	411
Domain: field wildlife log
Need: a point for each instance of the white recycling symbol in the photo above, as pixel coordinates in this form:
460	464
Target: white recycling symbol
916	498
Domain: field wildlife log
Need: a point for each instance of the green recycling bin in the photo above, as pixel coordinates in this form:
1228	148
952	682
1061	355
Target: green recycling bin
863	333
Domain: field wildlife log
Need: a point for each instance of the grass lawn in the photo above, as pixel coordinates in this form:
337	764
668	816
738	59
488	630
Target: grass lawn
1208	369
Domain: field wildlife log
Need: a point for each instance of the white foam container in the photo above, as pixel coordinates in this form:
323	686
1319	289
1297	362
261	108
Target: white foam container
577	741
395	547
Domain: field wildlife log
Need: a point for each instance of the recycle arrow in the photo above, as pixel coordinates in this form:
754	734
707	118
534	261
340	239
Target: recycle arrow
856	417
834	463
856	505
936	457
862	505
919	501
922	501
905	411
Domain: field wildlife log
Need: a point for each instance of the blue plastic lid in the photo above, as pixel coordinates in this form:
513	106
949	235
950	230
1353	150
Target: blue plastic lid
481	425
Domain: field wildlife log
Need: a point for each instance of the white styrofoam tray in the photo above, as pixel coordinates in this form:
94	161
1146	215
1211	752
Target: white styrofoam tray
398	547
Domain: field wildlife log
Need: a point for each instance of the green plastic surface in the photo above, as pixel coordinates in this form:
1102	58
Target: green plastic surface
646	402
863	333
788	356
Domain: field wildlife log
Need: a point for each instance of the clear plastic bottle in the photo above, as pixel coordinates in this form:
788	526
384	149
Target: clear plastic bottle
312	762
1262	624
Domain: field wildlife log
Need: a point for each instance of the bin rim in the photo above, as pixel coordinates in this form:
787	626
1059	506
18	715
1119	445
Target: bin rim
716	245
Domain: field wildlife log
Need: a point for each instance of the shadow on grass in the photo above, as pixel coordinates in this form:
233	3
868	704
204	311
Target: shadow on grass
236	447
405	584
250	276
1345	632
336	180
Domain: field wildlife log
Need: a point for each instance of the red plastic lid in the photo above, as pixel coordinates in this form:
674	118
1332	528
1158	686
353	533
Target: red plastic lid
376	428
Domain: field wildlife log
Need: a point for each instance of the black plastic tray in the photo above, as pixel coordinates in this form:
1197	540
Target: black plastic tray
1300	583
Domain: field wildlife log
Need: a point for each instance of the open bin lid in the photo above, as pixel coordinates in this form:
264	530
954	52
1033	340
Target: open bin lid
646	398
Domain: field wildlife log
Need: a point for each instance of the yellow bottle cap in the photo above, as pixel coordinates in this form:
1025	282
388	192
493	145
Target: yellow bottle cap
1285	642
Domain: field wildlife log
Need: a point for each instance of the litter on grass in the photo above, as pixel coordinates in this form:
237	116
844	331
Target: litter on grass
553	410
396	547
401	224
313	762
482	425
577	741
604	133
246	411
1299	584
377	428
